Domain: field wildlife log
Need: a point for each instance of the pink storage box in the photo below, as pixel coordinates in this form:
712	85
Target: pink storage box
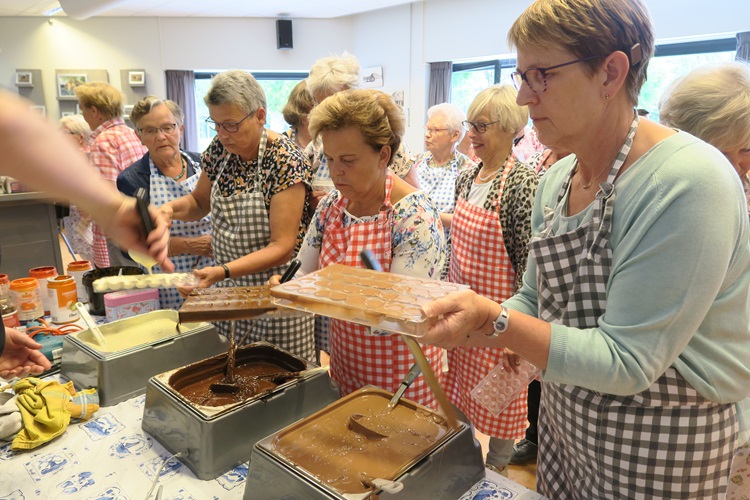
119	305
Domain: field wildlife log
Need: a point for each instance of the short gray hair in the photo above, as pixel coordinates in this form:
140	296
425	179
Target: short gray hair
454	117
500	103
333	74
76	124
711	103
145	105
236	87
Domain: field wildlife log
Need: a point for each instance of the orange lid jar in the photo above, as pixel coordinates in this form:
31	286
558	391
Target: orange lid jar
62	297
27	298
42	274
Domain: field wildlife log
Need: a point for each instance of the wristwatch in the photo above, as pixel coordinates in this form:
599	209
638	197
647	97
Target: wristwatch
500	324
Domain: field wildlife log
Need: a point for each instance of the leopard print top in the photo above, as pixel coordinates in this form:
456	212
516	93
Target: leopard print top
514	209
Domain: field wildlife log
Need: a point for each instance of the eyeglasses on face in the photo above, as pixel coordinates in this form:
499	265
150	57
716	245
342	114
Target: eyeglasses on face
433	130
479	127
230	127
167	129
536	78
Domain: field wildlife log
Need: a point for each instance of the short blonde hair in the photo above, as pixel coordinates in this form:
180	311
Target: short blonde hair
588	28
333	74
374	113
299	104
499	101
145	105
102	96
712	103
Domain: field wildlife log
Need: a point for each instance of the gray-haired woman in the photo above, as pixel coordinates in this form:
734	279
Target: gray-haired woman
255	184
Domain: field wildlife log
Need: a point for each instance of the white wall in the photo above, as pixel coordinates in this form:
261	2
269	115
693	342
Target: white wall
158	44
402	39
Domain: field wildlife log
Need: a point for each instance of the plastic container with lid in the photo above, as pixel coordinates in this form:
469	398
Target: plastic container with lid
62	297
7	307
77	269
27	299
42	274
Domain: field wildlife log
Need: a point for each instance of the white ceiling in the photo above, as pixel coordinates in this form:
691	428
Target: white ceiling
214	8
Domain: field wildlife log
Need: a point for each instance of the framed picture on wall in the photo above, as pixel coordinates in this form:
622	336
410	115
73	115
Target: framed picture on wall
24	79
42	110
136	78
66	84
372	77
127	109
66	113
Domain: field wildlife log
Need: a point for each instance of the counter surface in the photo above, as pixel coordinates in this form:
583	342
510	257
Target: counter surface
111	457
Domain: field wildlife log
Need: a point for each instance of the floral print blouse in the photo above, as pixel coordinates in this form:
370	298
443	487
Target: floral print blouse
284	165
417	240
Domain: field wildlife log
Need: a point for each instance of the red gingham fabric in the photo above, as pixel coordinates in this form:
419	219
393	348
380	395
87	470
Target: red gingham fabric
479	259
113	148
359	358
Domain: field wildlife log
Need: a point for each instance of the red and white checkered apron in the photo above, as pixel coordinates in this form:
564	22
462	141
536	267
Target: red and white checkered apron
359	358
479	259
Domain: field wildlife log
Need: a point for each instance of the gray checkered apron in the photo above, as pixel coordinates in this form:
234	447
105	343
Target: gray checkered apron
240	226
665	442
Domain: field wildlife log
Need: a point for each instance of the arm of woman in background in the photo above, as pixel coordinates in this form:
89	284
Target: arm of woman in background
198	245
284	216
39	155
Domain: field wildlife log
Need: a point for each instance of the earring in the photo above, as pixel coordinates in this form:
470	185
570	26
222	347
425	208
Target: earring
606	97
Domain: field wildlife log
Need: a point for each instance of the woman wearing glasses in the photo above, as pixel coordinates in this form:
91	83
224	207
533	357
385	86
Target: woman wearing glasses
438	167
635	303
489	245
254	184
168	173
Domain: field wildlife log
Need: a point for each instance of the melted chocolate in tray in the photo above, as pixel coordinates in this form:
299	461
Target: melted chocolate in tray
324	445
193	382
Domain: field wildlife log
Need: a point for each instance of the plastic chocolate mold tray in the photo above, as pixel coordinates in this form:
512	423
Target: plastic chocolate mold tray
114	283
211	304
501	387
384	301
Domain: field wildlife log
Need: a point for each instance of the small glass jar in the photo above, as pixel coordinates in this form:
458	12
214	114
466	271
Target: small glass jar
7	307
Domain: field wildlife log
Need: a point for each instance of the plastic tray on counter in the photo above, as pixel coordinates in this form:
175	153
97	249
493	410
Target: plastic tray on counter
131	282
383	301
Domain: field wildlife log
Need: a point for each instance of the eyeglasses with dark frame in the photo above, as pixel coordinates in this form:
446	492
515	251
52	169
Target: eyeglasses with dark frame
536	78
479	127
230	127
166	129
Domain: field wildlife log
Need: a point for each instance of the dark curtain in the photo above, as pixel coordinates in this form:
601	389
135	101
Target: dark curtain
743	46
440	83
181	89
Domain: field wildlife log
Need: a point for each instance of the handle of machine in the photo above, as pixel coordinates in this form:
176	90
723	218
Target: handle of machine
141	197
294	266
